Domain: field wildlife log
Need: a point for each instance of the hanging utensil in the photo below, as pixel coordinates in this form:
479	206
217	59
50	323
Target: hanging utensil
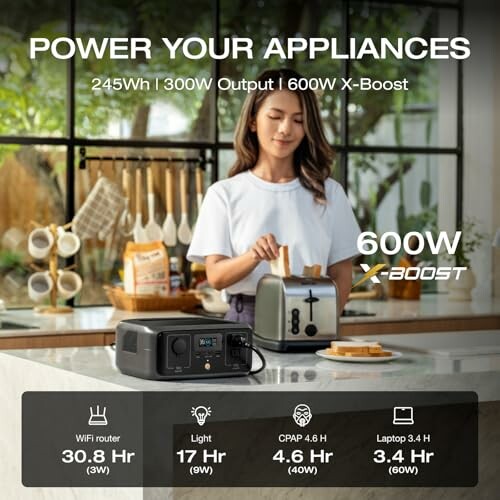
199	193
184	231
101	236
99	168
126	223
169	227
138	232
199	188
86	254
107	265
153	230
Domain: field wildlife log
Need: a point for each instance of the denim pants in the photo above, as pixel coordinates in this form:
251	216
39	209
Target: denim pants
242	309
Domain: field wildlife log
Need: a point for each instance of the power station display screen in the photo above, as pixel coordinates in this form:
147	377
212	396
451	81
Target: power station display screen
207	342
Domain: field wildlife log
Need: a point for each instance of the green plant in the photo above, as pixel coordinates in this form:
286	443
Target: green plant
10	260
471	240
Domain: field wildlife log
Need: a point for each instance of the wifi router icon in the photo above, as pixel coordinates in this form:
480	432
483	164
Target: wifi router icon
97	417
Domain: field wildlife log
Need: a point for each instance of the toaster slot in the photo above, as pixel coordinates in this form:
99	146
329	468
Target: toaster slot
311	300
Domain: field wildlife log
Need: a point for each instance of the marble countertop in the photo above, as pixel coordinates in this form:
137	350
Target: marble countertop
105	319
429	306
298	371
81	320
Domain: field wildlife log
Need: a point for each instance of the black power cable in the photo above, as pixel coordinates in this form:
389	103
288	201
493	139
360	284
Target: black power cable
261	357
238	340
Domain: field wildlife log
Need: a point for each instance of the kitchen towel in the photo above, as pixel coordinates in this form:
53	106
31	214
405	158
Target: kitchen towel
98	213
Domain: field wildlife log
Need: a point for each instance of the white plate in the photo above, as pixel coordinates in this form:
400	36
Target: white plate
359	359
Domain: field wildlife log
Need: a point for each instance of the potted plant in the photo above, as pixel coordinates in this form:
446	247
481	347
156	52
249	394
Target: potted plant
471	240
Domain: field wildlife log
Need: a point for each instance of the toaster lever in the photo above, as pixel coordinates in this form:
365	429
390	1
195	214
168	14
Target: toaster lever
310	300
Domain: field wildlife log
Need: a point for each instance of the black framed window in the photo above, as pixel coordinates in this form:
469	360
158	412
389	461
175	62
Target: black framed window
398	154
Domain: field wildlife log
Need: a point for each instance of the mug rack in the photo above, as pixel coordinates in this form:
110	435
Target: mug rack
144	161
54	308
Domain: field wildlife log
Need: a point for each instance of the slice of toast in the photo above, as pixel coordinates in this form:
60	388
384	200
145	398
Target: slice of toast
346	346
281	265
356	349
381	354
312	271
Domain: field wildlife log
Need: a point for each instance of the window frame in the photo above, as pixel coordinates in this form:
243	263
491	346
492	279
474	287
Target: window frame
344	148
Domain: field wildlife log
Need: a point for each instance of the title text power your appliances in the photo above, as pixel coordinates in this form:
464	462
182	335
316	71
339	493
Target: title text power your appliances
235	47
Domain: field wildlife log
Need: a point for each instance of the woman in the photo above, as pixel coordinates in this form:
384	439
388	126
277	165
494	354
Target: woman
279	192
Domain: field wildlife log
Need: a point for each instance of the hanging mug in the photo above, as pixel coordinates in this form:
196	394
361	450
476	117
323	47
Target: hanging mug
40	242
69	284
39	286
68	243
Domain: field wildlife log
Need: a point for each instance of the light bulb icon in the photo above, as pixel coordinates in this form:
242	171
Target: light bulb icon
201	413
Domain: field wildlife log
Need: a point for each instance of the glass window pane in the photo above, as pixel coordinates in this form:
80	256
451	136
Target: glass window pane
403	193
426	114
32	91
227	157
101	257
337	172
264	20
32	189
138	110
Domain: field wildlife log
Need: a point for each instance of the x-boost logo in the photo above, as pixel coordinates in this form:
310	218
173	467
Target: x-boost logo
408	273
413	243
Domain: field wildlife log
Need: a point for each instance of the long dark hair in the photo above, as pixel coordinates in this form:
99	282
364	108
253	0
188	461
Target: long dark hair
313	157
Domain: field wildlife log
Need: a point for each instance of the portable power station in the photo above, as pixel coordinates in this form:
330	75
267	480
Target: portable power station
183	348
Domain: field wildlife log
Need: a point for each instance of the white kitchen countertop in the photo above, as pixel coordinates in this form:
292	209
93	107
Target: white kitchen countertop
429	306
81	320
105	318
297	371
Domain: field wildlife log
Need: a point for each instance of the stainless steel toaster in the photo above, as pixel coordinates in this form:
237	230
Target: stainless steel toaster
295	313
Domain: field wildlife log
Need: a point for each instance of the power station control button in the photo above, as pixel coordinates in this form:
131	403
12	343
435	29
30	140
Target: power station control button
179	346
207	366
311	330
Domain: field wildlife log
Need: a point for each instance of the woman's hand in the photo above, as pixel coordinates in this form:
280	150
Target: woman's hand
223	271
265	248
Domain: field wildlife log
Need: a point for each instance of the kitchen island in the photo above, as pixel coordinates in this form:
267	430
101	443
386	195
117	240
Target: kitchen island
93	369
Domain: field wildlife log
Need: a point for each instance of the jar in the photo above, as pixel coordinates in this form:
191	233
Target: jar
198	274
176	277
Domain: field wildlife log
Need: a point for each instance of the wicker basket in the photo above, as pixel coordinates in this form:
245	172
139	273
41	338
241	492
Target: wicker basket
122	300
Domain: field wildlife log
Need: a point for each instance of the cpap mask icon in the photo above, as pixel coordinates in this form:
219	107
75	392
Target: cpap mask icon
201	413
302	415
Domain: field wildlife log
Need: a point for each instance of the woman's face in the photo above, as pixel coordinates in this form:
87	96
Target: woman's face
279	124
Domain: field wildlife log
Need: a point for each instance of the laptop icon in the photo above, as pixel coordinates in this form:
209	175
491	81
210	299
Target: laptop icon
403	415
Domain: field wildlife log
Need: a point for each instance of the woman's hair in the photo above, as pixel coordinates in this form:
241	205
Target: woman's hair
312	158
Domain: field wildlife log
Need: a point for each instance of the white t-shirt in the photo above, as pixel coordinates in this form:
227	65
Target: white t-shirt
239	210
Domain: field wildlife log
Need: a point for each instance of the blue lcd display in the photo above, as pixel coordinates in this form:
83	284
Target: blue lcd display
208	342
